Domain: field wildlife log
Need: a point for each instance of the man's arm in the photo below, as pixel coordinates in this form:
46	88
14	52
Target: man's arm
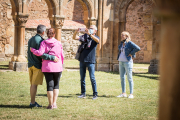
75	36
49	57
94	38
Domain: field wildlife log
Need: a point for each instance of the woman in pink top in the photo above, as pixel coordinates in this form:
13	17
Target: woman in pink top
52	70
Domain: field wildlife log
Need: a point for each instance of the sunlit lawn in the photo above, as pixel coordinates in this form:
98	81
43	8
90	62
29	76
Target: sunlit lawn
15	98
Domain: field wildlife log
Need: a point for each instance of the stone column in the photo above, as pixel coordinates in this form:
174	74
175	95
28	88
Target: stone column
57	23
154	63
99	33
22	19
169	102
19	61
14	58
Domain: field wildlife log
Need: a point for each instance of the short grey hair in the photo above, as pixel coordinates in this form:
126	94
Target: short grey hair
41	29
94	27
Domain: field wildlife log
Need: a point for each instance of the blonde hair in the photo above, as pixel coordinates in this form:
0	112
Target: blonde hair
127	35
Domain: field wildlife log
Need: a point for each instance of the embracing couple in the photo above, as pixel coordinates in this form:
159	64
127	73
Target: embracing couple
45	58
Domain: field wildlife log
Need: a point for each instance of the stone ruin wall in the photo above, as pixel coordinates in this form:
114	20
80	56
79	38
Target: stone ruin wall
141	29
38	9
73	11
140	25
6	31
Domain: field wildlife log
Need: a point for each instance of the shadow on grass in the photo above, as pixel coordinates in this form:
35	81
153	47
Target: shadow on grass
76	95
145	75
15	106
140	74
4	67
65	96
105	96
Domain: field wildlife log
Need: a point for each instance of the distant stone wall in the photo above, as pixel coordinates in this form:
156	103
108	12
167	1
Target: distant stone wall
38	9
69	45
6	31
140	25
73	10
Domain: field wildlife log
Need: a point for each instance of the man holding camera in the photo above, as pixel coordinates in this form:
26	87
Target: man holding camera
87	57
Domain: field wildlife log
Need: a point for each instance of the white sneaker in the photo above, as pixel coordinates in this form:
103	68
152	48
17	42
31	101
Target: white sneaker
131	96
122	95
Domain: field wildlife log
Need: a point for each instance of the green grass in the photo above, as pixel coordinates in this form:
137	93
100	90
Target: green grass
71	63
4	64
15	98
140	65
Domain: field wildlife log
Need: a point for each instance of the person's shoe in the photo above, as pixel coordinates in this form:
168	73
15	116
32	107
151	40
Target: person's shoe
54	106
82	96
34	105
50	107
122	95
131	96
94	97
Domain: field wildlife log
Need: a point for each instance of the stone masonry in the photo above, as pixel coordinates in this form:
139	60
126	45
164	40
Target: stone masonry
6	31
110	16
140	25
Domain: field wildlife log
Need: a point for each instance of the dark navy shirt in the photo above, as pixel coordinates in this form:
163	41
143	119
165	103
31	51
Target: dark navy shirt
89	55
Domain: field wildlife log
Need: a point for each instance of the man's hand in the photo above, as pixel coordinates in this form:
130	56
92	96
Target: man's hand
56	59
130	55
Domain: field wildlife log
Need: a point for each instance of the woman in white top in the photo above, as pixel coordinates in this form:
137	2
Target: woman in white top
127	50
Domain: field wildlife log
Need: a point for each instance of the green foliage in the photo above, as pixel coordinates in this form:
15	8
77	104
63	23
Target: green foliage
15	98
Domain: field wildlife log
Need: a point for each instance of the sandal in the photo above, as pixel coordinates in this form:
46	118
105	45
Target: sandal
54	106
50	107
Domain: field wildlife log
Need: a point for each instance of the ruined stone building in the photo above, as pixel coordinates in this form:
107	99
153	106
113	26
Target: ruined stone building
19	19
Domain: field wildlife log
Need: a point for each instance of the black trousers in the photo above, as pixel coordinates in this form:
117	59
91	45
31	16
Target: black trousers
52	80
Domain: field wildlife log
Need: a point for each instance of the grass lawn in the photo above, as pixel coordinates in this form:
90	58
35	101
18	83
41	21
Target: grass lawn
4	64
15	98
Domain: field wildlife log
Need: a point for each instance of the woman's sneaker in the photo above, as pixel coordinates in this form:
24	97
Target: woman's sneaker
131	96
122	95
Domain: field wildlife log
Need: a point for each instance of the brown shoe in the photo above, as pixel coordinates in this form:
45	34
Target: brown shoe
50	107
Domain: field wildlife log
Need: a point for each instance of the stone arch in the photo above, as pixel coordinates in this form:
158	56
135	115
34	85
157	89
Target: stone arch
14	5
53	7
84	3
121	7
88	9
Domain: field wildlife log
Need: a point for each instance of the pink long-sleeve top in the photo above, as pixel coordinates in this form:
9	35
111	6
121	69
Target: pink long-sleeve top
56	50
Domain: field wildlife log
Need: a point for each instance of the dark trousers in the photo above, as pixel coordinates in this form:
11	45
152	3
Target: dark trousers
91	69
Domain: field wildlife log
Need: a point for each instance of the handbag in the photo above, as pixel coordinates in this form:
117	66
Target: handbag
77	53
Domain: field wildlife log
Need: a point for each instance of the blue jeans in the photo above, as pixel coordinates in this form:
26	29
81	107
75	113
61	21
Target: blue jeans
91	69
126	67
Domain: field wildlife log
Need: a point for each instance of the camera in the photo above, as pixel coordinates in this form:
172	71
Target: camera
82	29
